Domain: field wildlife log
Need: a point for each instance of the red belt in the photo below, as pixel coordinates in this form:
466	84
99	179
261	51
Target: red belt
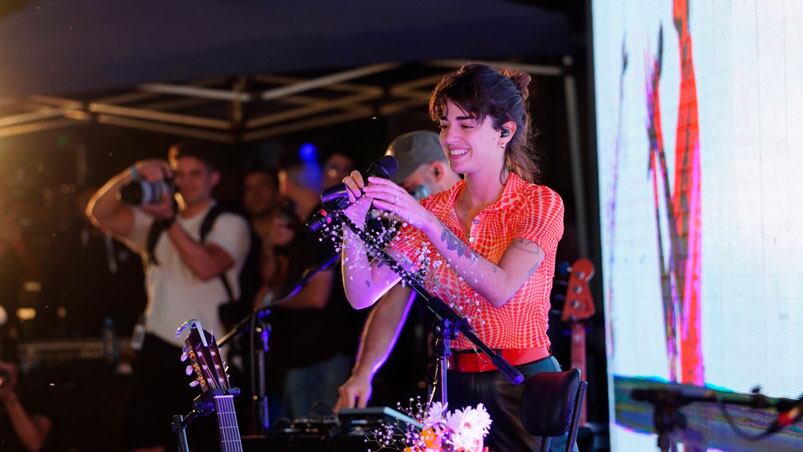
476	361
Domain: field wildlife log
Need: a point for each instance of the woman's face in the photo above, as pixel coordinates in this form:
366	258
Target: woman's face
470	144
281	232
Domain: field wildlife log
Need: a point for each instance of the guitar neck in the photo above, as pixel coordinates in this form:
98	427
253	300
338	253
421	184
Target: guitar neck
579	358
228	430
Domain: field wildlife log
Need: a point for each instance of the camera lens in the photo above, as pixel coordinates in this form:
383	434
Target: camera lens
139	192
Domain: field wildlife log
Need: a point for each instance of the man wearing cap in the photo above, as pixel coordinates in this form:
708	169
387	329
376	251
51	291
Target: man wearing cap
423	170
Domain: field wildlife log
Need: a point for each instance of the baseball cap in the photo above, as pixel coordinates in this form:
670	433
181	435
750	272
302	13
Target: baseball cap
412	150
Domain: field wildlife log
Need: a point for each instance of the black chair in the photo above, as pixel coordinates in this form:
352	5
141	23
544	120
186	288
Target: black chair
551	405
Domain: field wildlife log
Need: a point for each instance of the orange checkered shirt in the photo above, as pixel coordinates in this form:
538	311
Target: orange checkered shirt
529	211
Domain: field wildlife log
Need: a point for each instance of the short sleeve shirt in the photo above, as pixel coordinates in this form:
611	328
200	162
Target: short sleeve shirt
175	294
524	210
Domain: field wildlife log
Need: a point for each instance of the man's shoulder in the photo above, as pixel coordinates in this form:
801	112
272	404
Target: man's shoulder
229	218
233	216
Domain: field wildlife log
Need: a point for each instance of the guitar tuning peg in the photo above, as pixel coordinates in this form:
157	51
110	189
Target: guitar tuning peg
184	354
188	370
194	383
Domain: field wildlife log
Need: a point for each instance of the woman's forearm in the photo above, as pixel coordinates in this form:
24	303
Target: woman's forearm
364	282
486	278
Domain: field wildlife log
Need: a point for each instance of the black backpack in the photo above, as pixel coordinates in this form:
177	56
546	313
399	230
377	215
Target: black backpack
233	310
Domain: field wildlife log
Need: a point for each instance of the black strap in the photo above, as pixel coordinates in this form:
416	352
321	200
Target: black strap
157	227
208	222
206	228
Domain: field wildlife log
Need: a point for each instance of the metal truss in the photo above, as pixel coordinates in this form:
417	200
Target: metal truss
242	109
263	106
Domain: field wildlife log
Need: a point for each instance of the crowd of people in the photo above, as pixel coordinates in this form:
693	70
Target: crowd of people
476	227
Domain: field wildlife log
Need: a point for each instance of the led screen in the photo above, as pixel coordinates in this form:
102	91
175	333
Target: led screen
699	122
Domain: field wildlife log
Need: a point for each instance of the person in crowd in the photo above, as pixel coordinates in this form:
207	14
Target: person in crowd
261	201
314	333
423	170
188	276
486	246
27	407
260	191
337	166
27	413
273	223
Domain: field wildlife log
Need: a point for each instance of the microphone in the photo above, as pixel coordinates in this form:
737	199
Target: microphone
336	197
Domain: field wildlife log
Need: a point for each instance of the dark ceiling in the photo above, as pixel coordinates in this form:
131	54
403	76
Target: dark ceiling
65	47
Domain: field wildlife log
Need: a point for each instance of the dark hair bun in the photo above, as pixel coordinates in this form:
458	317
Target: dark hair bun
520	79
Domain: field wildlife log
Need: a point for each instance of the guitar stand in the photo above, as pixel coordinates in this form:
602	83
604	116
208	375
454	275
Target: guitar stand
202	406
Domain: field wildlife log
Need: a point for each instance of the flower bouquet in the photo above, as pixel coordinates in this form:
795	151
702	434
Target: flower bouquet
438	430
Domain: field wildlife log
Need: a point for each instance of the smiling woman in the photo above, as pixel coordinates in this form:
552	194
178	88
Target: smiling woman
500	100
486	246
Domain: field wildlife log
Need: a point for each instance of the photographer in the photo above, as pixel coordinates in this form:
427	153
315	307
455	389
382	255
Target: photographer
25	420
194	254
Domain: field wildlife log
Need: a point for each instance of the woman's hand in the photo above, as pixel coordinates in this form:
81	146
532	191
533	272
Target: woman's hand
392	198
360	204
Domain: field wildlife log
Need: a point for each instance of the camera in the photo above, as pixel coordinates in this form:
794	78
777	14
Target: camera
140	191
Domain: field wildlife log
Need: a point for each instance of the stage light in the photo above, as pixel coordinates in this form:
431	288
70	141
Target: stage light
308	152
26	313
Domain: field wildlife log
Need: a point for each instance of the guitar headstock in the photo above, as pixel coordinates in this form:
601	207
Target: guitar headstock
205	361
579	303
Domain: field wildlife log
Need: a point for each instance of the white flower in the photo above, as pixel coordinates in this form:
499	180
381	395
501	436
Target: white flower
469	426
434	416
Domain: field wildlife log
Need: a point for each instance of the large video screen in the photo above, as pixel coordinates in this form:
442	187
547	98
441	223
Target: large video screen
699	121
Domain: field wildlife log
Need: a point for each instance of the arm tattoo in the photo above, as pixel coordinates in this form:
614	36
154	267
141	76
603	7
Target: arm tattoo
455	244
530	247
533	268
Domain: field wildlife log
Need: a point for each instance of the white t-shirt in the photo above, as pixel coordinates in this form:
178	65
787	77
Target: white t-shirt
175	294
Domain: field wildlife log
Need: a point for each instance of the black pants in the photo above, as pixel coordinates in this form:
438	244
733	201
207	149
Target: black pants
159	390
502	400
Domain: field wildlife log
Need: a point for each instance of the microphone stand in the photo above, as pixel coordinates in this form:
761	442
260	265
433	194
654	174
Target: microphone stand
256	324
450	323
667	403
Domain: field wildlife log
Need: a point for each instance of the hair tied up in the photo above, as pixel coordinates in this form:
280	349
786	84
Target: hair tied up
520	79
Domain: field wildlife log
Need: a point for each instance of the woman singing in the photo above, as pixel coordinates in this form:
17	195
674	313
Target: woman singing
486	246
